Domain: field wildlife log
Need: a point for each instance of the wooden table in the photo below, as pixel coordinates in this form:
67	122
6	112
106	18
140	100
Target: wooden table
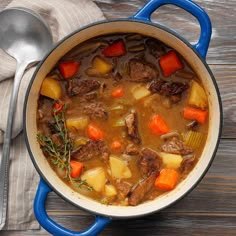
210	209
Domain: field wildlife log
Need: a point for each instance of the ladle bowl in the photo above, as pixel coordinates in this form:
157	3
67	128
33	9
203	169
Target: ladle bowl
25	36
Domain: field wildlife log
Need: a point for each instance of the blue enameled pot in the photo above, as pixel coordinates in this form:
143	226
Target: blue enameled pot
193	54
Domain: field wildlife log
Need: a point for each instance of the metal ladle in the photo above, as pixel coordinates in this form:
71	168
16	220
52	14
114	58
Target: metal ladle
25	36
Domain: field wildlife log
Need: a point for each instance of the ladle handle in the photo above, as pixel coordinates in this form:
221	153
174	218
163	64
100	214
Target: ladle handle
4	162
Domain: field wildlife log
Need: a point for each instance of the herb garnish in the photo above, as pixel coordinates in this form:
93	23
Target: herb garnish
58	146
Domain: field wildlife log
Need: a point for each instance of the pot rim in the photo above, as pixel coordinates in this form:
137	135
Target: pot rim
110	21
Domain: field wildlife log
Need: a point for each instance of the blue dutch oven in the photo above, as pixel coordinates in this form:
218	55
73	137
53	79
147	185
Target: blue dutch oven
193	54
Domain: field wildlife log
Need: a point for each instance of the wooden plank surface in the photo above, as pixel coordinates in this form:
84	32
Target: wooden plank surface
154	225
210	208
225	76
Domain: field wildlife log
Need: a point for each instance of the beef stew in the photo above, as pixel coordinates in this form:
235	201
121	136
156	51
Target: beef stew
122	119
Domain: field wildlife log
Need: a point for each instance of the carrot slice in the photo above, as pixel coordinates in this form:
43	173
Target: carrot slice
68	68
195	114
167	179
76	168
158	125
116	144
57	106
118	92
170	63
115	49
95	132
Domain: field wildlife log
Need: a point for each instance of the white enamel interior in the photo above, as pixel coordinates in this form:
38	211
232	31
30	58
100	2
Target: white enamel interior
164	200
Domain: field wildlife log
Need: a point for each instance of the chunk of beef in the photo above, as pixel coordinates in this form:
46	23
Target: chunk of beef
131	149
176	146
44	109
141	189
123	188
52	127
187	164
155	47
185	74
89	96
170	135
152	194
117	76
80	87
149	161
92	148
56	139
95	110
141	71
175	98
193	125
174	88
40	114
131	122
168	88
156	86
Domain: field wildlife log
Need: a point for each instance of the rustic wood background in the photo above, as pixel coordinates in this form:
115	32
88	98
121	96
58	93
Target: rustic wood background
210	209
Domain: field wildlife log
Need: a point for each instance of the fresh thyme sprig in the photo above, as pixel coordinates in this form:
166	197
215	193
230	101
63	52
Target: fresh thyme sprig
78	182
59	148
51	149
58	151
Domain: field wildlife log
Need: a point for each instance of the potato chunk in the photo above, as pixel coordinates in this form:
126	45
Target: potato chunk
102	66
79	141
77	123
197	96
51	88
140	91
119	168
172	161
96	178
110	190
99	67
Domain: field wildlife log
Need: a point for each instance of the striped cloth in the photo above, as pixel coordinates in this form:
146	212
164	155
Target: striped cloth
63	17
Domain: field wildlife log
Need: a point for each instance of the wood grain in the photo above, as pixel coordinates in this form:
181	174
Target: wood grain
164	224
226	80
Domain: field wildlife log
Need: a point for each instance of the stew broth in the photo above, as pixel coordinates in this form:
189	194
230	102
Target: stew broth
122	118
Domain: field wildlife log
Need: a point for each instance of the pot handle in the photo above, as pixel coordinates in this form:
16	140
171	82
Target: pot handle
54	228
203	43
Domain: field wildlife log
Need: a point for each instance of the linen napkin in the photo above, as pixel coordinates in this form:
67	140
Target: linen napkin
63	17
